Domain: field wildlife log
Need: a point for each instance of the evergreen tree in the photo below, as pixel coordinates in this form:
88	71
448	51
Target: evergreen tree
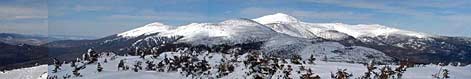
150	65
99	68
72	64
77	59
136	51
341	74
85	57
108	54
370	67
160	66
445	74
309	75
296	59
121	65
93	56
142	55
311	59
77	69
401	69
57	65
137	66
154	52
325	58
386	72
442	73
75	72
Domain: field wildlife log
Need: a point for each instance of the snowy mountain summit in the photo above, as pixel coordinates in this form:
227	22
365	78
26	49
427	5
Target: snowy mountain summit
276	18
359	30
147	29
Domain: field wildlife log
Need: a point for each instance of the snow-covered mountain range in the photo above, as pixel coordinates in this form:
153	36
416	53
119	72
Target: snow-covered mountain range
279	22
284	35
289	25
251	46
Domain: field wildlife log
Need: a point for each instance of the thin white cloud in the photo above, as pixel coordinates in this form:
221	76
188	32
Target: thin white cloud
436	3
29	27
377	6
338	15
90	8
332	15
162	16
19	12
408	8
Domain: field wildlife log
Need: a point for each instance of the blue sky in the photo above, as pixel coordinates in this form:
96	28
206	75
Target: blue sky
106	17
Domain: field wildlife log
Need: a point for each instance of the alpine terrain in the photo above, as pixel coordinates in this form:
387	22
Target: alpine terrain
282	35
277	46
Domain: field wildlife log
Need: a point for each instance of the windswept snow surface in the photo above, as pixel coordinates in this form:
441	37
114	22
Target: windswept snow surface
37	72
333	51
339	53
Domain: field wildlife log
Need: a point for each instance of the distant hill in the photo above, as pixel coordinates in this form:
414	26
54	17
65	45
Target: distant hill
18	56
36	40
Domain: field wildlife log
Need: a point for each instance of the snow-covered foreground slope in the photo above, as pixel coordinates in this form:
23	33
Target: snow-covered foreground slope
325	68
110	71
428	70
38	72
321	68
